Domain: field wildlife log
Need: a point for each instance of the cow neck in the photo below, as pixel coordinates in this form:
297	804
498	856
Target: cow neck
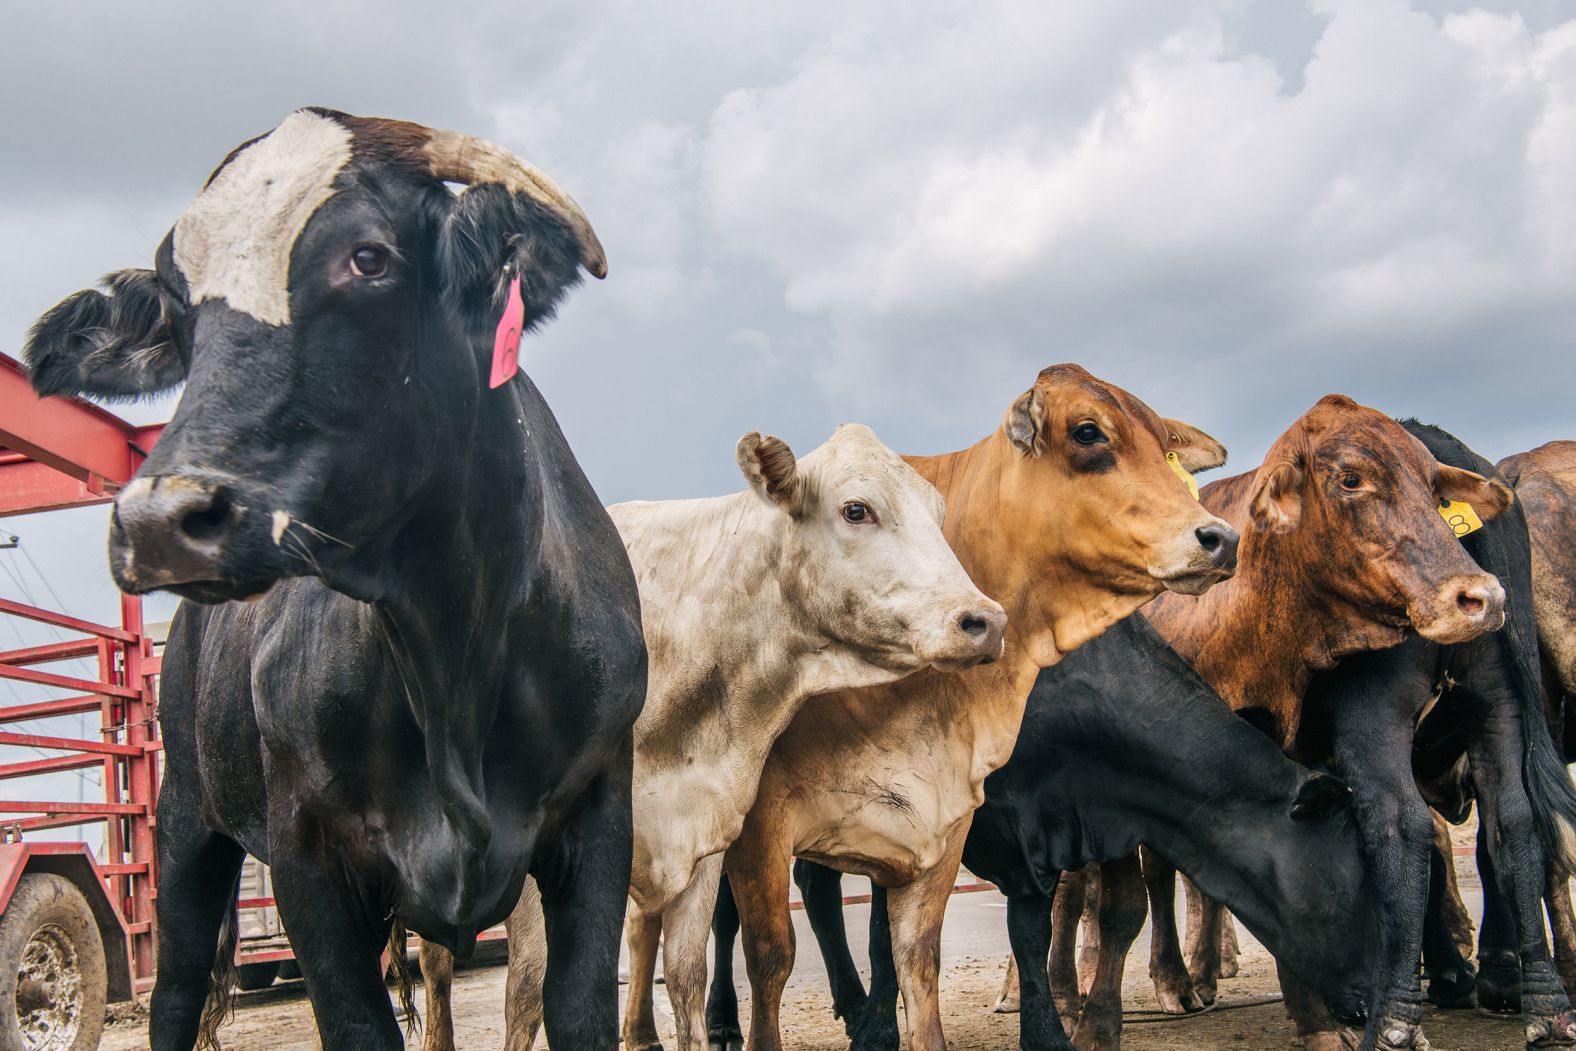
457	585
1258	637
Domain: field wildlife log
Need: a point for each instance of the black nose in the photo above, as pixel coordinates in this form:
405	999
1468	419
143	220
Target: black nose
985	628
171	530
1220	542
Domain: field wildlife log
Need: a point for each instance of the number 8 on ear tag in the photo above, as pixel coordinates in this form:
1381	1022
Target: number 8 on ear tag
1176	465
1460	517
506	341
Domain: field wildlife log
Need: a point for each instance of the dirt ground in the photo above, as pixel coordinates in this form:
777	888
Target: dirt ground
974	953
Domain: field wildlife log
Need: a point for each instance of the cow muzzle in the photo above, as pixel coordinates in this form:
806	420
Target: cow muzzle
173	530
973	636
1462	609
1207	557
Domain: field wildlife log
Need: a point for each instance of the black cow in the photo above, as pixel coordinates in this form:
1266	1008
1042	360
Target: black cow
431	689
1122	743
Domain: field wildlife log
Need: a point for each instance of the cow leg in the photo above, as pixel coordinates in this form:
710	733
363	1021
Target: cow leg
917	912
757	866
1557	900
1228	949
1499	968
821	888
437	983
722	1003
1173	985
1009	999
876	1027
1203	941
1373	746
198	869
1451	979
1316	1026
686	924
1089	925
584	884
522	994
1122	911
338	946
1029	929
643	932
1072	896
1505	814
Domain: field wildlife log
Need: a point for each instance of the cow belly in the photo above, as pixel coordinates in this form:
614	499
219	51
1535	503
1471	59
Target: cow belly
889	828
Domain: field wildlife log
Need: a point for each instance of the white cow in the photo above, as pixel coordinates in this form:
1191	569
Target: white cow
828	573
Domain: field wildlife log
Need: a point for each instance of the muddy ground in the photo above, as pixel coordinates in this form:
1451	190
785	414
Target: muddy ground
974	951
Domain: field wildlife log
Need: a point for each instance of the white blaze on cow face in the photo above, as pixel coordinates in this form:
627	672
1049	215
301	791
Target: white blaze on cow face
234	242
866	560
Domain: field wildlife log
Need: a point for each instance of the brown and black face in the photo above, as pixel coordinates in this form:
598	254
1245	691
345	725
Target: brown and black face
1113	507
329	305
1354	502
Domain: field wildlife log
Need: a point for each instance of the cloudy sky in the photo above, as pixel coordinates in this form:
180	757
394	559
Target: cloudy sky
891	212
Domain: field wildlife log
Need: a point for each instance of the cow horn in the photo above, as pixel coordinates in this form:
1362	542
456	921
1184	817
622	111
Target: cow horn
459	158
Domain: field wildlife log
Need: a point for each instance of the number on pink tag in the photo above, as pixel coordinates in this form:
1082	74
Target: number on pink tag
506	341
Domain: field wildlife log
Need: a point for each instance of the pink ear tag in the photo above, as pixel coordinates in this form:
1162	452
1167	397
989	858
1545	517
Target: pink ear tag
506	341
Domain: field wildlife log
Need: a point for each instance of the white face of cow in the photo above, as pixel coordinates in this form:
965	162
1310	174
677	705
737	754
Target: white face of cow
865	559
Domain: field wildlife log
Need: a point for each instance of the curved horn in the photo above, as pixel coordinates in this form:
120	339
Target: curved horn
454	157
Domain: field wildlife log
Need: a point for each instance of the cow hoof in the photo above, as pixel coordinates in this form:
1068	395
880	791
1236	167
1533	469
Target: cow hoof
1453	990
654	1046
1343	1039
1007	1005
1499	983
732	1043
1395	1035
1178	997
1205	992
1559	1031
1228	968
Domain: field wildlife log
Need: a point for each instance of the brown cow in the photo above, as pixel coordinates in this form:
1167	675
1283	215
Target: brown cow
1069	515
1343	552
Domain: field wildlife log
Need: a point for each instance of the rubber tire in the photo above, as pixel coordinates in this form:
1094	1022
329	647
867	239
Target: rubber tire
254	976
41	898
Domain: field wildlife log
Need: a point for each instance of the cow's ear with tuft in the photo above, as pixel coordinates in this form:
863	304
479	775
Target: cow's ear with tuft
112	344
1025	422
772	471
1196	451
1276	506
488	236
1489	497
1318	795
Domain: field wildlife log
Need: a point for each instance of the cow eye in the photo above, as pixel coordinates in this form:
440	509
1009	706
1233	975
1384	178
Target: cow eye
1088	434
1351	482
368	261
858	513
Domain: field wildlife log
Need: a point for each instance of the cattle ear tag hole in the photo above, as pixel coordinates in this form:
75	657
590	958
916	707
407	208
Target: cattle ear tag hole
506	341
1460	517
1187	479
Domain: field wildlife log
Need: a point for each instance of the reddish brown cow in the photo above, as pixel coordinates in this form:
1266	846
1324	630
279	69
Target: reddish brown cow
1343	552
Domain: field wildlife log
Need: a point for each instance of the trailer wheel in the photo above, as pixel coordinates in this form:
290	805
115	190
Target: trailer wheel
254	976
52	973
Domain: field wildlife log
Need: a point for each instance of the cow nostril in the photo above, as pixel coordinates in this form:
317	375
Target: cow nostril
1471	603
973	625
1209	537
208	522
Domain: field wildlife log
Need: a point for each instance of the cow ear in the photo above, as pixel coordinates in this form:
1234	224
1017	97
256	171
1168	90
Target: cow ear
772	471
490	235
1276	506
1196	451
1025	422
1488	496
110	344
1318	795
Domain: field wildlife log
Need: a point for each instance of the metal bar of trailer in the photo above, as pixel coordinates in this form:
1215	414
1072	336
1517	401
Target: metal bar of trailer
54	651
71	744
65	682
27	488
48	709
72	436
58	808
60	620
54	764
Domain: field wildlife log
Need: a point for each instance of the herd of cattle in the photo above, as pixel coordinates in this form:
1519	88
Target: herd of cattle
427	677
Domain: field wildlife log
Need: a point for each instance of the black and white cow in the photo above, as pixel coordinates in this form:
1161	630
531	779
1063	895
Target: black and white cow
430	690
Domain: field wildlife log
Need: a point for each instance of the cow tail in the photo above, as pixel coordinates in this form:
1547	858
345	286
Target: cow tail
402	978
219	1007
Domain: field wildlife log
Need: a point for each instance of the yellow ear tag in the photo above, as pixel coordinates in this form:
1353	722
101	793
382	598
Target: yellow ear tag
1460	517
1192	485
